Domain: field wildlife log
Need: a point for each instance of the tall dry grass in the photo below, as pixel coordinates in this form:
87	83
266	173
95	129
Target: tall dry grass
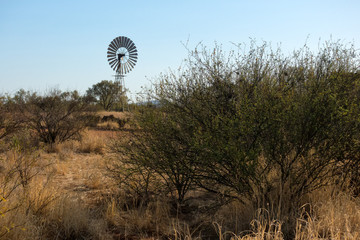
91	142
330	217
51	206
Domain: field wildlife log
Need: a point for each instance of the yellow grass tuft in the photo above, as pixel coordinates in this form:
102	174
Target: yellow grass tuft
109	125
91	142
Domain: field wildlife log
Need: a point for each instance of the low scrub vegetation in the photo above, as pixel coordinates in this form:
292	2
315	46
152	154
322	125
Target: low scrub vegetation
249	145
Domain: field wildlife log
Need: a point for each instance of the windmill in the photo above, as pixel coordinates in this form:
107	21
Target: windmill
122	57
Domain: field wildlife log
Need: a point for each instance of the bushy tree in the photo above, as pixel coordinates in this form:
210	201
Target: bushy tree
255	125
56	116
107	94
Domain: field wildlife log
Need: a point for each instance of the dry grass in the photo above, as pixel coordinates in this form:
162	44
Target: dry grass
143	221
71	197
336	217
332	218
109	125
92	143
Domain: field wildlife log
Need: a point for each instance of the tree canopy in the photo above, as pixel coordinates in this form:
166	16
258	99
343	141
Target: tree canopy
106	93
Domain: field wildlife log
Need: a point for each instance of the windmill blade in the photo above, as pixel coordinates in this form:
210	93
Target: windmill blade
132	47
134	58
128	68
125	42
111	56
115	65
134	51
114	68
133	62
117	43
133	55
111	52
121	40
112	47
112	61
129	44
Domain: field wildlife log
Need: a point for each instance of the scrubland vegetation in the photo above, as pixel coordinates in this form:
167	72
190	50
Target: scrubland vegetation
249	145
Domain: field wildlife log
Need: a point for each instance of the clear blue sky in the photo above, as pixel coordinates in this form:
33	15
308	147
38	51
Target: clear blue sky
46	44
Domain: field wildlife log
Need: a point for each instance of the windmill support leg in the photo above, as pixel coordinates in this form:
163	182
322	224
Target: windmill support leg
120	79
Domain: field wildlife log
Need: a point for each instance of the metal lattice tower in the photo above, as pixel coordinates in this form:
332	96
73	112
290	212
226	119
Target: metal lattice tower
122	57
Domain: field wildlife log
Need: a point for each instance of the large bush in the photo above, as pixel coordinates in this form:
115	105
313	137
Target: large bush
56	116
256	125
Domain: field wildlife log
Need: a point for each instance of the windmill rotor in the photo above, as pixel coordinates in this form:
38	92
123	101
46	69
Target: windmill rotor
122	55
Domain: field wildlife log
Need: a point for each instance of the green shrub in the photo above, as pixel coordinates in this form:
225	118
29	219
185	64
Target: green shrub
255	126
